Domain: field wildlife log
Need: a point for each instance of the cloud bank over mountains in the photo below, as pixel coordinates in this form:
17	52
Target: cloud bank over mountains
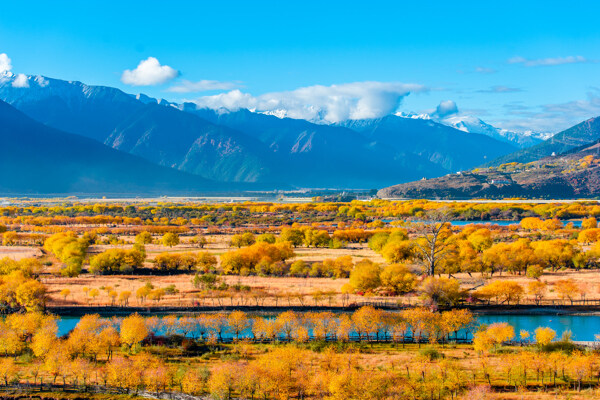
326	104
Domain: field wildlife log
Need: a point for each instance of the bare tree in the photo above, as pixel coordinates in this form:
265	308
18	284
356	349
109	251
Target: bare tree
431	245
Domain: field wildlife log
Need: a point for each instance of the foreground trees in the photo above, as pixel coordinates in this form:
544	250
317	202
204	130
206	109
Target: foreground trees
124	356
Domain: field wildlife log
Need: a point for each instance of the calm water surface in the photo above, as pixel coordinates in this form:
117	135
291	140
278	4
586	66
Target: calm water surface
576	223
584	327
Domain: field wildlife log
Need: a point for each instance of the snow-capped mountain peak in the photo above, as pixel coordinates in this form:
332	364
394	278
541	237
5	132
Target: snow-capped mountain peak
471	124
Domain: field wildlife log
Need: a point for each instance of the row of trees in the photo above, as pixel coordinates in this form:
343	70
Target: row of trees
258	258
196	214
200	261
367	323
291	372
94	336
511	292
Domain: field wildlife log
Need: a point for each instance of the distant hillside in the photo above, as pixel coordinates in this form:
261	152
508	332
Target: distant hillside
582	134
36	159
575	174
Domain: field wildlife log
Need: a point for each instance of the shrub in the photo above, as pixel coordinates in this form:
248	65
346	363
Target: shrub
114	261
431	354
365	276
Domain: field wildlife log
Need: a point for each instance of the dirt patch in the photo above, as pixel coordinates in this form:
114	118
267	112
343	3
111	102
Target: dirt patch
19	252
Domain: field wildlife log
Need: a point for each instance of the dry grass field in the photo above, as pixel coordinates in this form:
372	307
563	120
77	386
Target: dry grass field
188	295
283	287
19	252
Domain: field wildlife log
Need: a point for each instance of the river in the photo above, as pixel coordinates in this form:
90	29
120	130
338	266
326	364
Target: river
576	223
584	327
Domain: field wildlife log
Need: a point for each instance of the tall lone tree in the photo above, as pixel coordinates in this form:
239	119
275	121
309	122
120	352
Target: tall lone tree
432	246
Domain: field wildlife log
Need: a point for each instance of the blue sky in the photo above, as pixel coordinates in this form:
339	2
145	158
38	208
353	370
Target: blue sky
516	64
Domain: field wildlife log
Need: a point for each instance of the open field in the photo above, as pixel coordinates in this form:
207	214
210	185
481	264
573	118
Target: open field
19	252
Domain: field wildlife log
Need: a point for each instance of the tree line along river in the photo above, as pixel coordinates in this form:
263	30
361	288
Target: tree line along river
583	327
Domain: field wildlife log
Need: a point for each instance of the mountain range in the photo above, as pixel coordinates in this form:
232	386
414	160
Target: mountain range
138	143
244	146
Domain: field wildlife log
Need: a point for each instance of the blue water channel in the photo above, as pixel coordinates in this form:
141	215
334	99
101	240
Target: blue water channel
583	327
576	223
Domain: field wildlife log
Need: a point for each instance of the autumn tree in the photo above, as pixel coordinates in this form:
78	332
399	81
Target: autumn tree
170	239
589	223
238	322
397	279
567	289
292	235
538	290
441	290
242	240
69	249
365	276
503	291
143	238
432	245
133	330
114	261
544	336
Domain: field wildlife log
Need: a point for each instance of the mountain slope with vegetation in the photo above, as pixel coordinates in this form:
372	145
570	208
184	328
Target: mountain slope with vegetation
584	133
317	154
575	174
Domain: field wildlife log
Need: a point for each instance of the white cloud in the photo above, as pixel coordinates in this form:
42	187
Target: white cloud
21	81
186	86
548	61
500	89
148	72
326	104
5	63
485	70
445	109
551	117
